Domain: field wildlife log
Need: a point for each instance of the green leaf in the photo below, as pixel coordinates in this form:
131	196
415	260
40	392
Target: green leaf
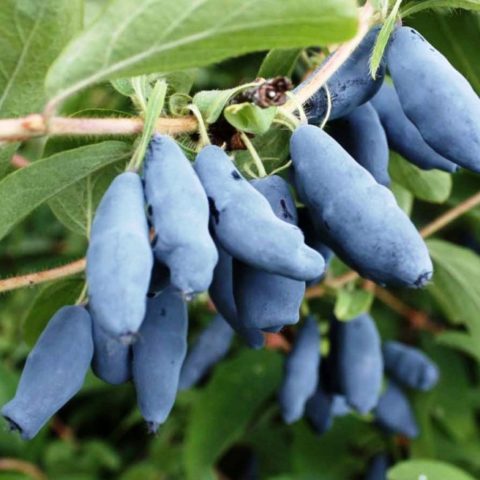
426	470
32	35
48	300
403	197
250	118
75	206
383	37
226	406
415	7
431	186
462	342
26	189
456	282
351	303
134	37
212	102
279	62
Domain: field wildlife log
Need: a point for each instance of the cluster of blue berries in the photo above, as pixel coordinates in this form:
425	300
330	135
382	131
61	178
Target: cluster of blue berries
180	229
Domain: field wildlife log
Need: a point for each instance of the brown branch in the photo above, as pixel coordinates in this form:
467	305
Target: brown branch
44	276
450	216
418	320
36	125
15	465
336	60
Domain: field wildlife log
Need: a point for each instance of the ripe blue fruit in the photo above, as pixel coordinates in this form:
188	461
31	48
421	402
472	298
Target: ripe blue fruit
119	258
265	300
350	86
436	98
340	406
301	372
361	134
158	355
403	136
409	366
54	371
221	293
312	240
358	218
178	208
378	467
111	357
209	348
319	411
357	361
245	225
394	413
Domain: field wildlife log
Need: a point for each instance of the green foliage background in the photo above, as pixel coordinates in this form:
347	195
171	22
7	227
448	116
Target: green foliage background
45	211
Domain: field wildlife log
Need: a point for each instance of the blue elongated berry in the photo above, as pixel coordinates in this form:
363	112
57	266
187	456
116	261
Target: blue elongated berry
409	366
350	86
221	293
357	361
245	225
318	411
158	355
361	134
178	208
312	240
119	258
378	467
340	406
436	98
111	357
264	299
54	371
358	218
301	372
403	136
209	348
394	413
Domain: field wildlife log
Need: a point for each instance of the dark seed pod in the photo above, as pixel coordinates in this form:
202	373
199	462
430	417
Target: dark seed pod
356	217
394	413
301	372
361	134
436	98
158	355
403	136
357	361
265	300
54	372
119	258
245	225
180	215
209	348
350	86
409	366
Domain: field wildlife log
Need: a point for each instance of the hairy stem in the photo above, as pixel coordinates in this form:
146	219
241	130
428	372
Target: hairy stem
45	276
21	466
336	60
35	125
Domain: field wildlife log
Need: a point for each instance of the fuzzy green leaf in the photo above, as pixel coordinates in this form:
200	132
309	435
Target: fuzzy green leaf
134	37
32	34
26	189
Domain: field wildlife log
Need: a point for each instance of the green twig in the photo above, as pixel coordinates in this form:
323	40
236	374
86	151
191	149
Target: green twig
254	154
